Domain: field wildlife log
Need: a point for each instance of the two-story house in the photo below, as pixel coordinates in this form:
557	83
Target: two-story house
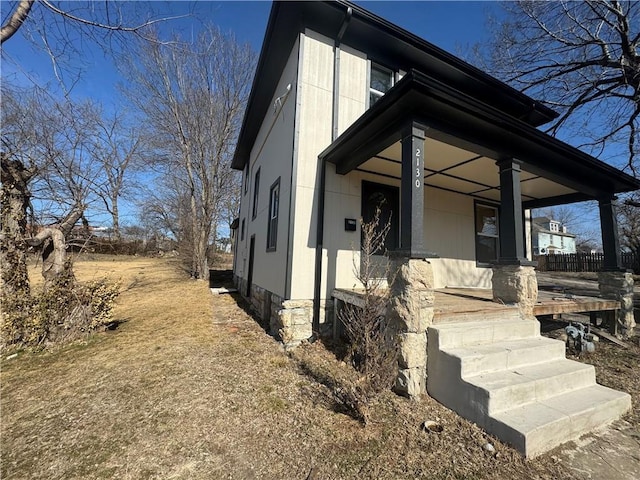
550	237
348	111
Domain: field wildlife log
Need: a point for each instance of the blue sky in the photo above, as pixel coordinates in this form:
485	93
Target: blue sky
452	25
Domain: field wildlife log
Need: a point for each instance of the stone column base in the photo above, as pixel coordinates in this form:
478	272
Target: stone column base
515	284
619	286
410	312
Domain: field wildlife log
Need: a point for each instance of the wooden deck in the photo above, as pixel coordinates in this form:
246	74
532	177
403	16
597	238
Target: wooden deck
455	304
477	300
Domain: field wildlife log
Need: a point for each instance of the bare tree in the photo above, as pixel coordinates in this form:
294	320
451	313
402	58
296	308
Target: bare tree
62	29
630	227
119	150
581	59
192	96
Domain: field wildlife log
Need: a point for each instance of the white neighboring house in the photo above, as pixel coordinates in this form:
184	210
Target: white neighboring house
549	237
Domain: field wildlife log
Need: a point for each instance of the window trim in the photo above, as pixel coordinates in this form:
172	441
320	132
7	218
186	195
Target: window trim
242	230
272	221
495	206
256	192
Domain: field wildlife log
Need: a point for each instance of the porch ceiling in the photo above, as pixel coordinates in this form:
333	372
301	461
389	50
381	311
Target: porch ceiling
455	169
465	137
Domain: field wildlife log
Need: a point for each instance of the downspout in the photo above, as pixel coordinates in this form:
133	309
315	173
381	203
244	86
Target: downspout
323	175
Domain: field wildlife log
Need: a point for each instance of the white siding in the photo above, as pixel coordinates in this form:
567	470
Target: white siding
314	135
272	152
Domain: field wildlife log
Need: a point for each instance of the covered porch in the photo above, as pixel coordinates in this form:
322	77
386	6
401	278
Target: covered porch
423	137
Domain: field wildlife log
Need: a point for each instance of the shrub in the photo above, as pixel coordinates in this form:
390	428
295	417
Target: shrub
65	311
372	346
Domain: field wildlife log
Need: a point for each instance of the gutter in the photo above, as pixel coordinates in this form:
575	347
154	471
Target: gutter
317	285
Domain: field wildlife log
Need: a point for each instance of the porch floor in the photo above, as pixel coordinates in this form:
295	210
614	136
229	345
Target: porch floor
450	302
460	304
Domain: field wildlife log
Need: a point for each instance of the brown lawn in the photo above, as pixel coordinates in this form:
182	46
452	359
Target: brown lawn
190	386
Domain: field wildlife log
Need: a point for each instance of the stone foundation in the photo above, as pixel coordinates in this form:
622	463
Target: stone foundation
619	286
290	321
410	312
515	284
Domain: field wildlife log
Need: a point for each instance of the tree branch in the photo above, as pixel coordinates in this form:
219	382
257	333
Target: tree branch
18	17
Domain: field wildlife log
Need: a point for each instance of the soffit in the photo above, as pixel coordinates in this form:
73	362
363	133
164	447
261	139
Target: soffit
451	168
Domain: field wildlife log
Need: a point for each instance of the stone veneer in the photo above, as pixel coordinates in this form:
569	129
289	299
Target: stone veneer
619	286
410	312
515	284
290	321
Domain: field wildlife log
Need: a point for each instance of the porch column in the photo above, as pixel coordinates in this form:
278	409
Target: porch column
615	282
609	229
410	308
412	191
514	277
511	226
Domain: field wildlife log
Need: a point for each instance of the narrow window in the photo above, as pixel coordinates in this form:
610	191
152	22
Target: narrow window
274	206
256	188
381	80
246	178
487	239
242	231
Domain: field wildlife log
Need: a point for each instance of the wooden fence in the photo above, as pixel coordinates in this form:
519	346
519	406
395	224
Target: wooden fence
584	262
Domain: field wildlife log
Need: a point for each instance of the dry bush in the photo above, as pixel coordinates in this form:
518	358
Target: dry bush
372	346
64	311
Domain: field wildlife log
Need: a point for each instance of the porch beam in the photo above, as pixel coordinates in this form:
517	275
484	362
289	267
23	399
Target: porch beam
555	201
412	191
609	229
511	223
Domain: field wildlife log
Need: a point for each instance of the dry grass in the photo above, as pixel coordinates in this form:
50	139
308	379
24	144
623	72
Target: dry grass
189	386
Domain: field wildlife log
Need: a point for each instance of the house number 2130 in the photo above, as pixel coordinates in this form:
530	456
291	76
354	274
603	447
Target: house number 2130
418	168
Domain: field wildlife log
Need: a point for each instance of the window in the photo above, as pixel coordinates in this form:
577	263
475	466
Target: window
554	226
274	206
242	231
487	239
246	178
256	188
381	80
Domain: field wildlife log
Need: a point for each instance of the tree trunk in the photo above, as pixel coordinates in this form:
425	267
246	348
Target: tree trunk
115	217
54	248
14	200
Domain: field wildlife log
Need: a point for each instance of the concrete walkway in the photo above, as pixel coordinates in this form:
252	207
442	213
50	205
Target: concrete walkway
611	454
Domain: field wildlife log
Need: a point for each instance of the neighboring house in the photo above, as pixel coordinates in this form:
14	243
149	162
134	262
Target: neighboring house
348	111
549	237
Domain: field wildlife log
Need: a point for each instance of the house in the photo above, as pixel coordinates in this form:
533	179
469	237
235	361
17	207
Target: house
348	111
549	237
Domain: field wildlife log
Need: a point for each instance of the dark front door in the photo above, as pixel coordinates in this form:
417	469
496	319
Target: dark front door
387	198
252	247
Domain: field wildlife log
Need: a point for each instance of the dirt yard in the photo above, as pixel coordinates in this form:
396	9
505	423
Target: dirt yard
190	386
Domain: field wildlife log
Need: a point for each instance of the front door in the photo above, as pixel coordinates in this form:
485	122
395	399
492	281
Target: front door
387	198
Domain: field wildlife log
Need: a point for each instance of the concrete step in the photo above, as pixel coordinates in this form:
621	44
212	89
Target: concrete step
456	335
516	384
492	357
540	426
512	388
